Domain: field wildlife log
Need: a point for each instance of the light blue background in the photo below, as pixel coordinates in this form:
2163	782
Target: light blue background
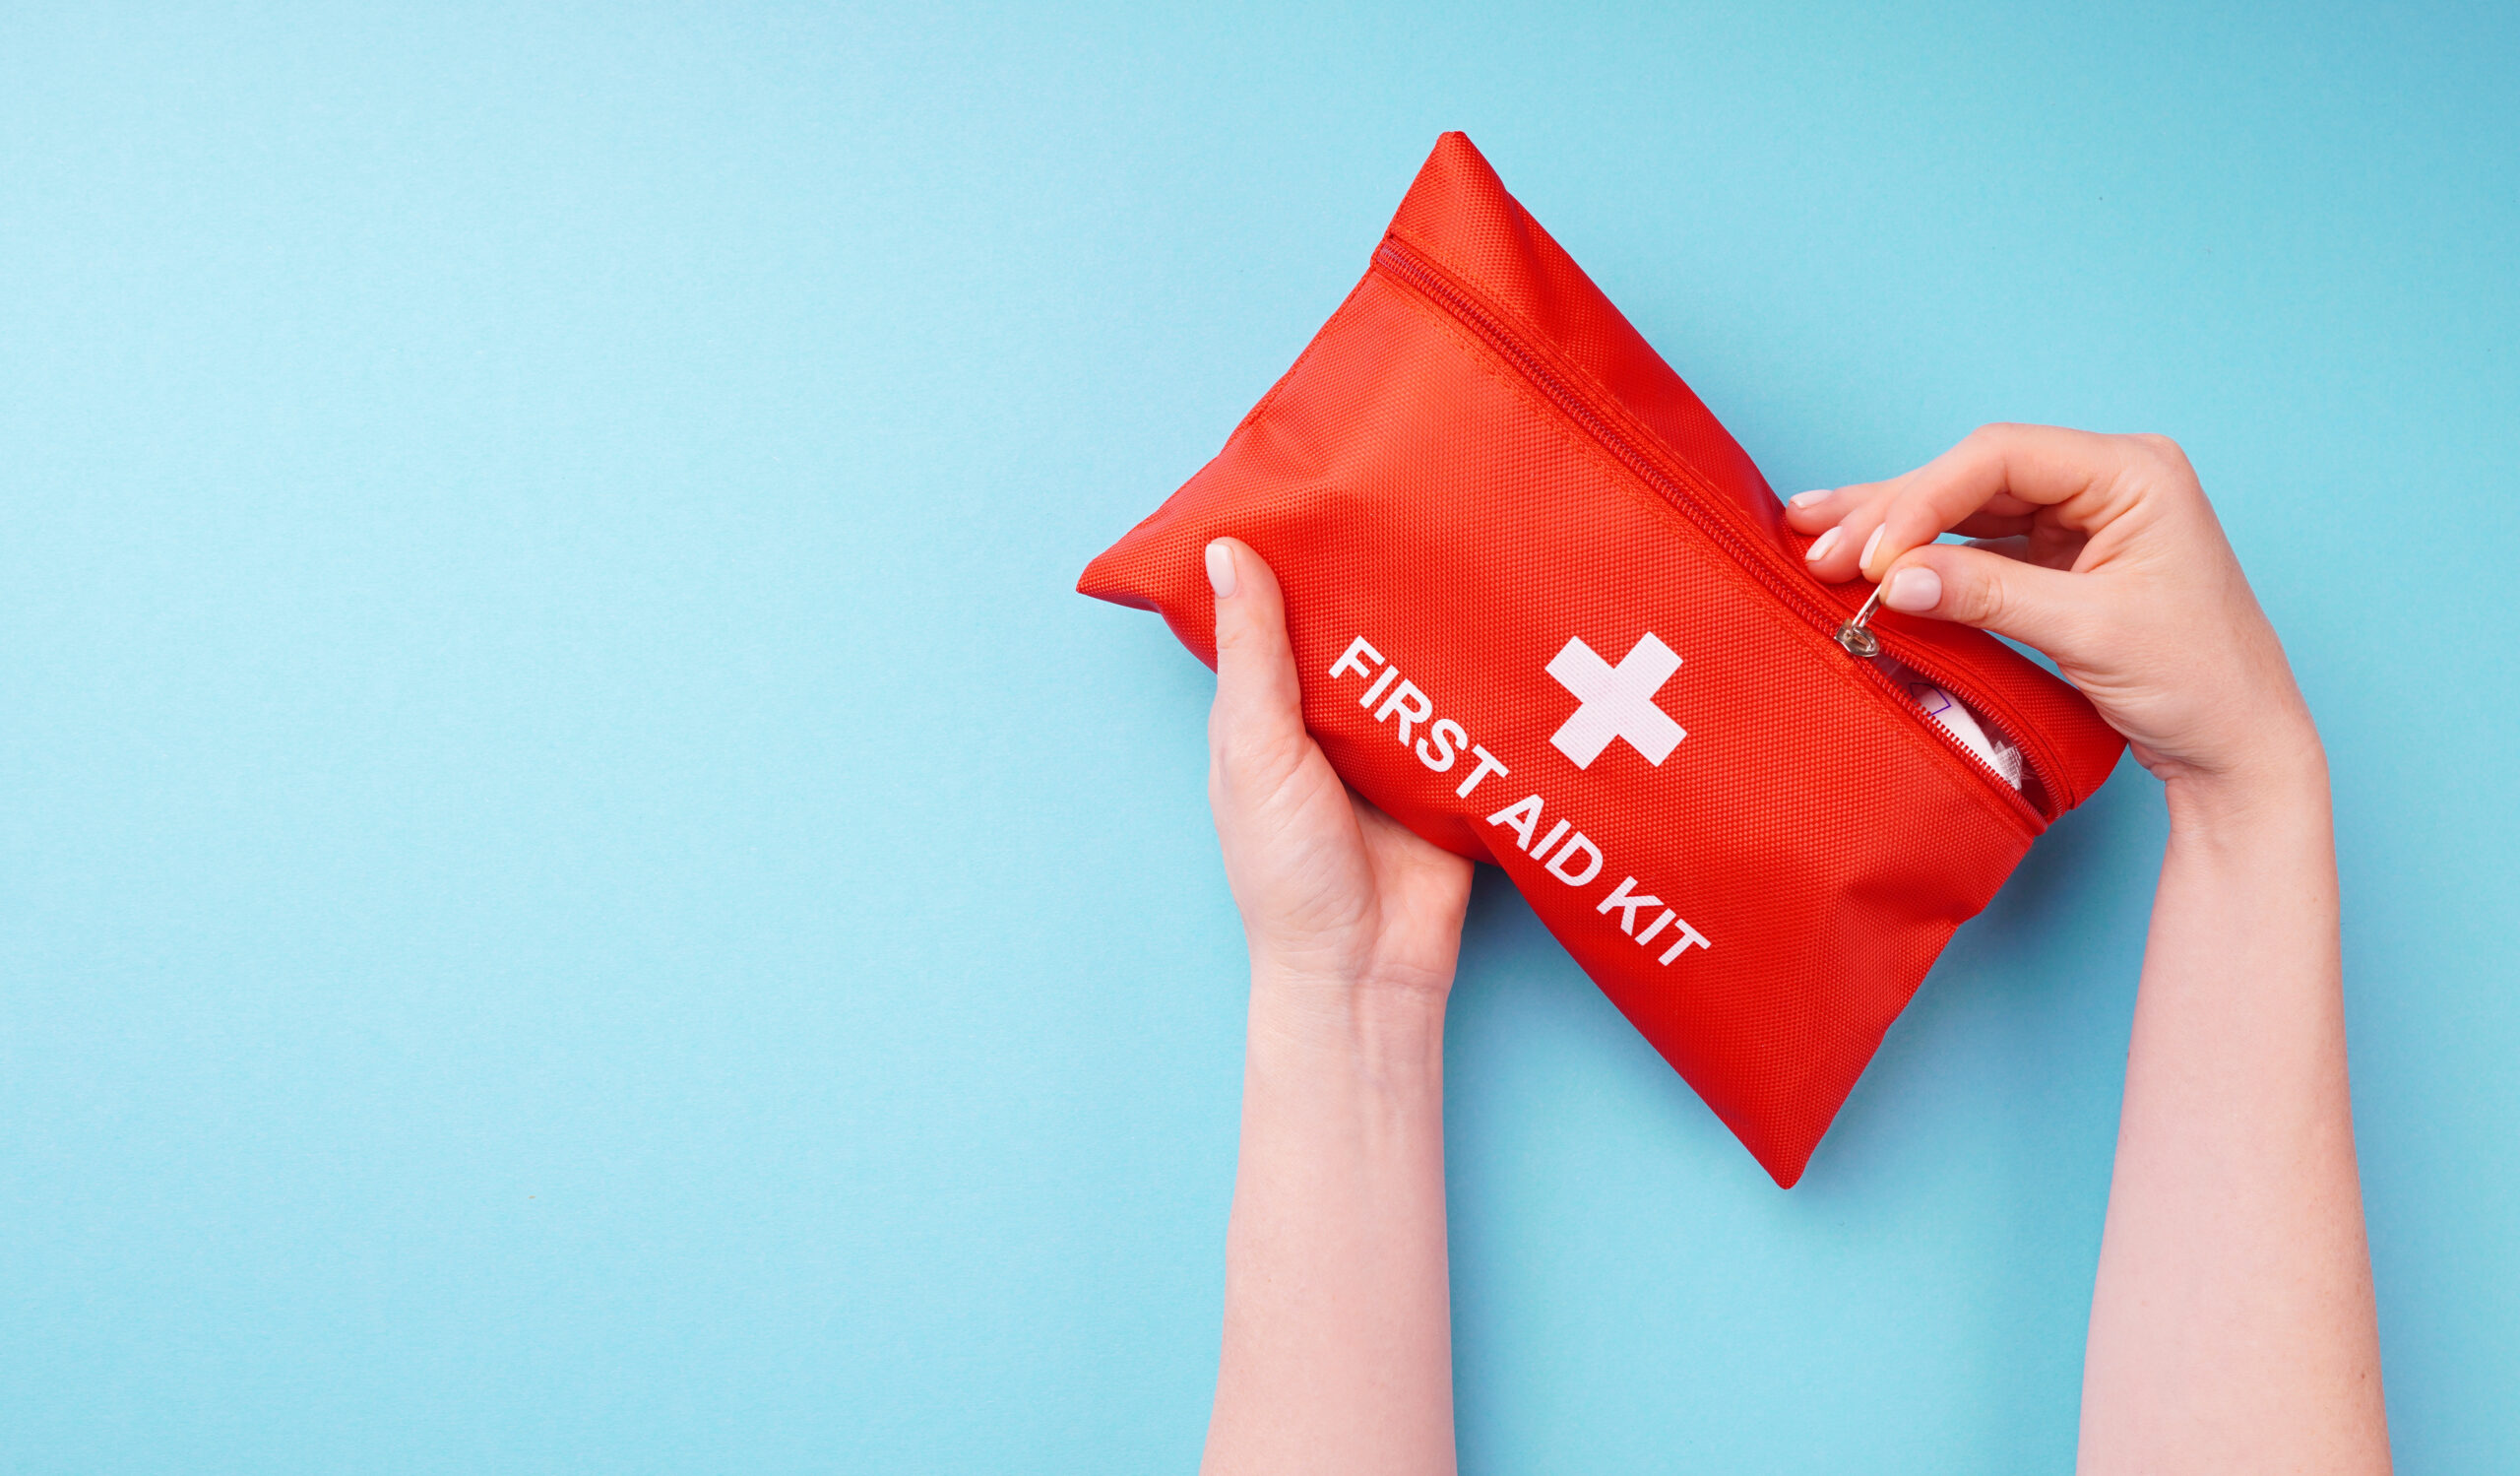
577	892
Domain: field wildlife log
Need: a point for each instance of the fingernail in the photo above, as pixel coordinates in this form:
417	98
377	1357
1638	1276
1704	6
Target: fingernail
1913	590
1822	545
1808	499
1864	559
1221	569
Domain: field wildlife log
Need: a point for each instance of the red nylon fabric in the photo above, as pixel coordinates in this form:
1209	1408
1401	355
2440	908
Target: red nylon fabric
1479	460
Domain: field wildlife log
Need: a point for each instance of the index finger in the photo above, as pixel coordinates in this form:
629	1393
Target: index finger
2074	472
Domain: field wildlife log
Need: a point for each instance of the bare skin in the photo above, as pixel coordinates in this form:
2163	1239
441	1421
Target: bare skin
1338	1320
2231	1328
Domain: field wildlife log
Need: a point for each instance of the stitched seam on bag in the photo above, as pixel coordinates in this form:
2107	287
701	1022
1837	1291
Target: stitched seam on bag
1252	417
1824	651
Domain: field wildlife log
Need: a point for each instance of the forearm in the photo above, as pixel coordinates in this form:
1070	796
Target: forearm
2232	1324
1336	1353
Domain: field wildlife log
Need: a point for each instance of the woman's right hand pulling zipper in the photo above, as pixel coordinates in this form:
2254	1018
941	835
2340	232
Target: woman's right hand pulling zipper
2100	550
2233	1325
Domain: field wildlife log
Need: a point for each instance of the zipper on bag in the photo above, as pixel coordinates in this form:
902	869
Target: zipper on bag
1684	492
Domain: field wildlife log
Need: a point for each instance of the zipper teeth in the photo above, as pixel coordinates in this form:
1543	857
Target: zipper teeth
1402	263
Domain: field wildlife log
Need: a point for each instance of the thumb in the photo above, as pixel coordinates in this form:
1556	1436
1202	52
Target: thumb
1255	730
2042	607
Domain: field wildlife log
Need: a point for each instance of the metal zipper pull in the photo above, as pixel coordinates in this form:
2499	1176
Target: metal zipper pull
1860	642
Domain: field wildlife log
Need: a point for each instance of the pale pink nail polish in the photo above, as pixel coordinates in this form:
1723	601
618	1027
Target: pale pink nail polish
1915	591
1221	569
1822	545
1864	559
1808	499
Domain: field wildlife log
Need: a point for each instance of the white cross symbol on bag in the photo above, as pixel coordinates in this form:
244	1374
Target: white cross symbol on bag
1617	701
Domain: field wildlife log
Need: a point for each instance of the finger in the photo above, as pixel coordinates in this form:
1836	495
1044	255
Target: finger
1835	554
2047	609
1255	729
1855	513
2044	466
1810	512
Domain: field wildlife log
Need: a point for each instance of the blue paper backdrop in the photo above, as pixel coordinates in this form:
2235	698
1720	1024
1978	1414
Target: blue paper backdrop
577	891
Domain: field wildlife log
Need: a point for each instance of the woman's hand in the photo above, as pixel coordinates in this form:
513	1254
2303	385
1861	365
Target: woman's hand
2232	1326
1337	899
2102	551
1338	1332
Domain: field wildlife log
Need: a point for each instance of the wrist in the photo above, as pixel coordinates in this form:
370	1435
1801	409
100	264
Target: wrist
2284	785
1381	1028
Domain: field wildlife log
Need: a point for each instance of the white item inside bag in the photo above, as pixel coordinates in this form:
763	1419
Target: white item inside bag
1955	718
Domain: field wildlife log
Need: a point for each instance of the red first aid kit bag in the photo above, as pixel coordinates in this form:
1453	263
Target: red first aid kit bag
1547	615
